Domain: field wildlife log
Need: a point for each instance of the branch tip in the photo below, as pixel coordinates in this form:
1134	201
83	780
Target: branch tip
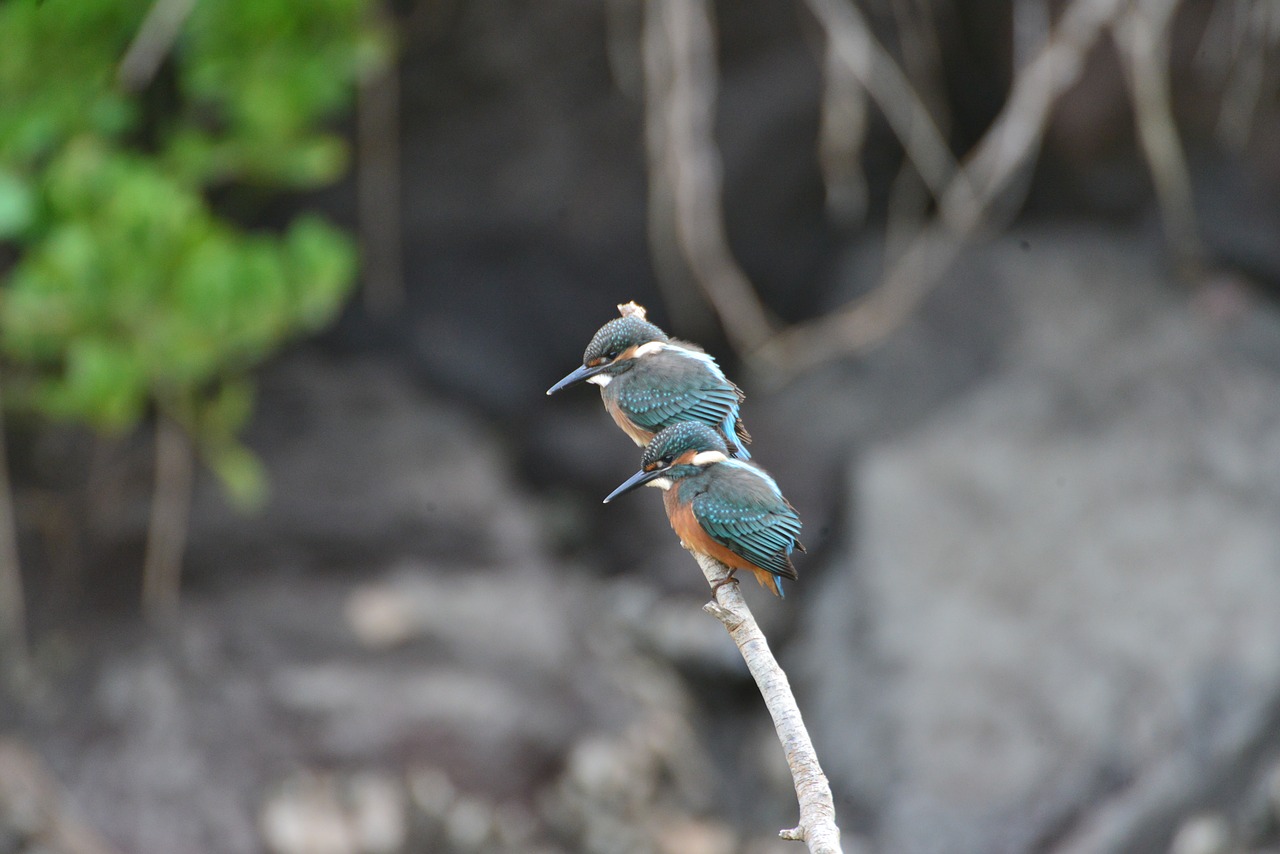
632	309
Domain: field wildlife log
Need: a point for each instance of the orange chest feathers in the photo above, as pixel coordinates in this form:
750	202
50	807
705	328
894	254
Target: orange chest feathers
694	538
686	526
640	437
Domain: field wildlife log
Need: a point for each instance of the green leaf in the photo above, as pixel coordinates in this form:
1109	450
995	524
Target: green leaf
323	265
241	475
130	286
104	385
17	204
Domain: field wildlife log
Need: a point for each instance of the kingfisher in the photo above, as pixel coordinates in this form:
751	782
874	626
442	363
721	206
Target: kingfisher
722	507
649	380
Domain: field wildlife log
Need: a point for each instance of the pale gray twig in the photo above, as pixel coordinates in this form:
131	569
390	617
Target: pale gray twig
851	39
1143	36
817	827
842	130
152	43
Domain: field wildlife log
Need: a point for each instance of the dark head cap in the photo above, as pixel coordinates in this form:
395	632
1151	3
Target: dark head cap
669	445
612	339
680	438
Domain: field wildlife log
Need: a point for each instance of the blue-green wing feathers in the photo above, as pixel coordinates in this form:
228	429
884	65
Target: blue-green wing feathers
670	387
745	514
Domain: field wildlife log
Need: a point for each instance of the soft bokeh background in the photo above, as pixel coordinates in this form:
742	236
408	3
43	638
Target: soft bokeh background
1029	412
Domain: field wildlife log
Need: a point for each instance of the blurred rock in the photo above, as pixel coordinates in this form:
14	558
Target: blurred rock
313	813
365	466
1057	621
35	815
306	817
1205	834
697	837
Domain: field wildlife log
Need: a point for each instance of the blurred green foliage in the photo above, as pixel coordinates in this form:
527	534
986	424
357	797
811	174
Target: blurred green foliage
129	290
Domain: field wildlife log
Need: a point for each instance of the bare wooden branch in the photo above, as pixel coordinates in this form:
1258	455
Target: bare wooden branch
1006	148
850	37
817	827
1143	36
842	130
1014	138
685	168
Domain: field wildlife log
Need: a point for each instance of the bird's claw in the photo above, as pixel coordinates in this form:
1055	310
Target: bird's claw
722	582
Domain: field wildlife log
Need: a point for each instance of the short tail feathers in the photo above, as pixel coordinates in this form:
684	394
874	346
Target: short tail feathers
770	582
736	436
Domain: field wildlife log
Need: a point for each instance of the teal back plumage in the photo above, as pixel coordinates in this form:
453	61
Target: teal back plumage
741	508
677	384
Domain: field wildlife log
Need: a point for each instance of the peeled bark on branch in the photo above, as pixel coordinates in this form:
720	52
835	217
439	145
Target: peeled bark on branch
817	827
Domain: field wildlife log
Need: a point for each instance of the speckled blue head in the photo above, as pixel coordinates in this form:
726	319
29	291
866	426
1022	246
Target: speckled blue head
609	349
673	442
617	336
676	452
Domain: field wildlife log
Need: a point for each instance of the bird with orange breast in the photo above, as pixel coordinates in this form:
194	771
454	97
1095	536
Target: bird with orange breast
721	507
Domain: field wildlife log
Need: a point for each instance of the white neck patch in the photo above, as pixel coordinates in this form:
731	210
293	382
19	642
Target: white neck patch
648	348
601	380
706	458
663	483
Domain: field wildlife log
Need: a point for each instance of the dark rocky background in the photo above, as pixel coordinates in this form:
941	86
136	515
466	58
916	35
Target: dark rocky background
1041	608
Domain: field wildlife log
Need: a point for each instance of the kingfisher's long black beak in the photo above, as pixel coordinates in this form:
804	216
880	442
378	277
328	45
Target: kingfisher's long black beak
577	376
640	478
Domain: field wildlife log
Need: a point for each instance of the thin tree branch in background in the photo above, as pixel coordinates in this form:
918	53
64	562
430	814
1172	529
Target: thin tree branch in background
909	199
842	132
1007	147
817	827
13	629
871	318
684	164
1143	38
1031	27
850	37
152	43
1233	54
673	275
167	527
378	188
1014	138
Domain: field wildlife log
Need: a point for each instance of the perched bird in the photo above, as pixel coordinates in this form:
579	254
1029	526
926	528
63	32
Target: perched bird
648	381
719	506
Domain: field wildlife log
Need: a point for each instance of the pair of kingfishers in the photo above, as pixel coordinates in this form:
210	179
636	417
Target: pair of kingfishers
672	398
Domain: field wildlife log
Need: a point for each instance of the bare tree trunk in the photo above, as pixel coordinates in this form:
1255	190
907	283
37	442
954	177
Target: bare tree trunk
378	185
13	629
167	529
